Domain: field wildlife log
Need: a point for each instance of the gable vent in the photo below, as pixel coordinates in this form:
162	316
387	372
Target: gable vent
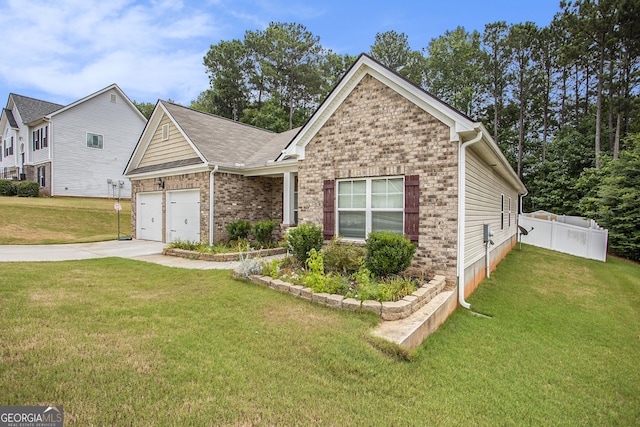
165	132
113	98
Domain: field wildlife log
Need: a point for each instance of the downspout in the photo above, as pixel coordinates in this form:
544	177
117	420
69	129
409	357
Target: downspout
462	155
211	195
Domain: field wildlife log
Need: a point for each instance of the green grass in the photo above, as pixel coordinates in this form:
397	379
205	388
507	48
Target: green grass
44	220
124	342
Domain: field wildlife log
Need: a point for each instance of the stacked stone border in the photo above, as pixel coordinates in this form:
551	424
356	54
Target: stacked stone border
388	310
230	256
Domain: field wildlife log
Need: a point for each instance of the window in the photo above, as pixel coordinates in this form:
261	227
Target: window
502	212
94	140
8	150
165	132
373	204
509	211
45	136
41	176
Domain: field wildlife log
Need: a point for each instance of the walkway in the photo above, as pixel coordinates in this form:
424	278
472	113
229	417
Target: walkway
142	250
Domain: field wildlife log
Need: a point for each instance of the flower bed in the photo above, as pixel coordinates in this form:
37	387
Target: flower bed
388	310
223	257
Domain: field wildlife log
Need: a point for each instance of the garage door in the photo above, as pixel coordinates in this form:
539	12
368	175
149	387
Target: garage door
183	215
149	216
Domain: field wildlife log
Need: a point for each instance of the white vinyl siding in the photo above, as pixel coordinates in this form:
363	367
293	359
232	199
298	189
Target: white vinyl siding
83	172
486	195
159	151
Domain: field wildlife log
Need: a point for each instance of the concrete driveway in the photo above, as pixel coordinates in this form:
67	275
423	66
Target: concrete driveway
142	250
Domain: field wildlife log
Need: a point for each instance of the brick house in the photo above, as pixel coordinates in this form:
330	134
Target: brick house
378	154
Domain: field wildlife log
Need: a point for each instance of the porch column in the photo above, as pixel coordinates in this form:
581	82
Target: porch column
288	191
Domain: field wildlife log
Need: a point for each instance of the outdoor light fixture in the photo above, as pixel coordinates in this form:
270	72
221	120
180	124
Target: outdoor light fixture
160	183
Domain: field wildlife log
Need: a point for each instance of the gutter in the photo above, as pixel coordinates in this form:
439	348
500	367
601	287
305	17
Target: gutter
462	155
211	195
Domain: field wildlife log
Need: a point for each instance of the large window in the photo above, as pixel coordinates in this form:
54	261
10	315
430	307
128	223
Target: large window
94	140
372	204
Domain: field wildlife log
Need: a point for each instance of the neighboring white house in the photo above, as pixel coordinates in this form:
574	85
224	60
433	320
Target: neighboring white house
71	150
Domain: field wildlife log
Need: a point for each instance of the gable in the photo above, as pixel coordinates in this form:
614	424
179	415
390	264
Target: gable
375	125
174	148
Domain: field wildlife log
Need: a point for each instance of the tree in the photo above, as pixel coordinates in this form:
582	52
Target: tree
146	108
228	64
393	51
498	58
333	67
454	70
288	57
617	205
522	39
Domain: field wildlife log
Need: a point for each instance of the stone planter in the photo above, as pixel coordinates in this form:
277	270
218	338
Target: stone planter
388	310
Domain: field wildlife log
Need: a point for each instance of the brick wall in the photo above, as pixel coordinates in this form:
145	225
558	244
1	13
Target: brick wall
377	132
245	198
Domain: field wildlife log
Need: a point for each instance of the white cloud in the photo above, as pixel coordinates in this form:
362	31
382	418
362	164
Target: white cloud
72	48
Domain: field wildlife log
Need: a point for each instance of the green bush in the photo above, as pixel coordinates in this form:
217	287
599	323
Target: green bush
343	257
388	253
262	231
7	188
302	239
238	230
28	189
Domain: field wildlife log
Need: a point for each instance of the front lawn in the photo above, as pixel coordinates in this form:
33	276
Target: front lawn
44	220
121	342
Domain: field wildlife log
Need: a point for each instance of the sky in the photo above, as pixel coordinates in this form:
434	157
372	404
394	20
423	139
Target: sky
63	50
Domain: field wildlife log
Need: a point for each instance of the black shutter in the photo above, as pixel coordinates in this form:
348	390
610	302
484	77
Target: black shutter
412	207
328	209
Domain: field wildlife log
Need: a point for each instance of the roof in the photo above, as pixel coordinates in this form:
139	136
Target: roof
225	141
10	118
32	109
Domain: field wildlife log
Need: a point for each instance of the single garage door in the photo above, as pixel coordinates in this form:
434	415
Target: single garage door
149	216
183	215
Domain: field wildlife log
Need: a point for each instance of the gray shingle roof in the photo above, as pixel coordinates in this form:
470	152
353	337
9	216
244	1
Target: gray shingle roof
31	109
10	118
224	141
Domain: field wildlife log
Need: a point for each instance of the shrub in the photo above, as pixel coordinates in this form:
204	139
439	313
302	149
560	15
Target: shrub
388	253
28	189
302	239
7	188
238	230
262	231
342	257
186	245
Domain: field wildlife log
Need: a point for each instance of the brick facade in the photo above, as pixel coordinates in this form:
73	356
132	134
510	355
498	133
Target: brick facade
377	132
247	198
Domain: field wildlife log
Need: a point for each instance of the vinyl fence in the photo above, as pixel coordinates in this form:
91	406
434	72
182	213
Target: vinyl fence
587	241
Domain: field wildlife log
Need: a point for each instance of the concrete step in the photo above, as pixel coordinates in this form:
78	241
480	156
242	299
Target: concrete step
411	331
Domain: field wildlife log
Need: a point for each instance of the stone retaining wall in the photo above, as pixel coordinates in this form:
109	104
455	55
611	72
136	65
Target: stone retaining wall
232	256
388	310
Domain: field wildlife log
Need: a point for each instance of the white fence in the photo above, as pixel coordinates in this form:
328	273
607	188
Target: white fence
585	242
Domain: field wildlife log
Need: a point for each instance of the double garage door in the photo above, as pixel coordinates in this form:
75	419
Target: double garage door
183	216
